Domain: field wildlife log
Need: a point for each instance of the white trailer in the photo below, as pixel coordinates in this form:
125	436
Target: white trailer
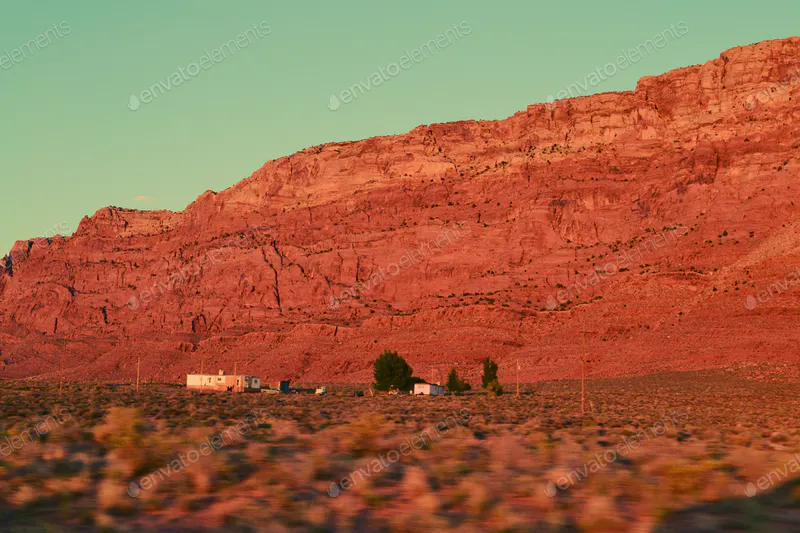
428	389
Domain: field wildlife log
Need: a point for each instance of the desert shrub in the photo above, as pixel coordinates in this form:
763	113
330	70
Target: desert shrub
455	384
489	372
392	371
121	428
361	436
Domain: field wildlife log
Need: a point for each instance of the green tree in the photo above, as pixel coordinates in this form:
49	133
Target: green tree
489	372
495	388
455	384
392	371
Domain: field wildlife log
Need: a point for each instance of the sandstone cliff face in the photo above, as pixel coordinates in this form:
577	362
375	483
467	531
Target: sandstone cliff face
640	221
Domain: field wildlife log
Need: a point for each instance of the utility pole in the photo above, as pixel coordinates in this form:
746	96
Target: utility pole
138	364
583	389
583	374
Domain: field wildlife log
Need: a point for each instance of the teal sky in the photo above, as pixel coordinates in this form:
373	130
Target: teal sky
70	145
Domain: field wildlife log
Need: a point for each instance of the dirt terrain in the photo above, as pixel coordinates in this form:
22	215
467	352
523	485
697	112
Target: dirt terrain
652	230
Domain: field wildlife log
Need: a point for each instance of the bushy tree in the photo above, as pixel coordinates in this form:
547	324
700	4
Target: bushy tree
392	371
455	384
494	387
489	372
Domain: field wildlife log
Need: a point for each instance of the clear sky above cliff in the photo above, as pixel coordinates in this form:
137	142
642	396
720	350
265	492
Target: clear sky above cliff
70	143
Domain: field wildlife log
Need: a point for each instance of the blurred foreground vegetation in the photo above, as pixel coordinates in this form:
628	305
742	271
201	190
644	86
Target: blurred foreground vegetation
494	470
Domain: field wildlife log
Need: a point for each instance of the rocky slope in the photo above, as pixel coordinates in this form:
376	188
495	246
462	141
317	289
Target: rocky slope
651	230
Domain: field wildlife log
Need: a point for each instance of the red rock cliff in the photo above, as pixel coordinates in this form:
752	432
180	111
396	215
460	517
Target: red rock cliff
641	220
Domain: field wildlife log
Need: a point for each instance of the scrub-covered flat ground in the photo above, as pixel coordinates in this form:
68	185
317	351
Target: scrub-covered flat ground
704	451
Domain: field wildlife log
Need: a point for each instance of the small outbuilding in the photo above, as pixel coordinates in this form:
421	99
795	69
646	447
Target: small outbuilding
279	386
428	389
